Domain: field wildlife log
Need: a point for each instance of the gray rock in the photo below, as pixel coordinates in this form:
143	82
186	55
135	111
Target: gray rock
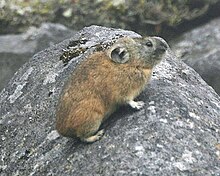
15	50
200	49
176	133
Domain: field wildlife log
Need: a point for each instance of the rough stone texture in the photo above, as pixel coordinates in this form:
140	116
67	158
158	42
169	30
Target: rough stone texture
176	133
200	49
15	50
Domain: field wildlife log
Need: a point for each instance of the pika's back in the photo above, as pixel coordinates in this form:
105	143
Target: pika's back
123	56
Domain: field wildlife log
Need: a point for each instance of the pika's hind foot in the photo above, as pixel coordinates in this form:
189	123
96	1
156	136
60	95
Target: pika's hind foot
95	137
136	104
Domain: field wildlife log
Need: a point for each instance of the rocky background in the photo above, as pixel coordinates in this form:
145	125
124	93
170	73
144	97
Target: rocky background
177	132
165	17
199	49
17	49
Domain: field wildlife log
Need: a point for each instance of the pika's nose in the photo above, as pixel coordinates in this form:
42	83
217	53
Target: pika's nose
162	45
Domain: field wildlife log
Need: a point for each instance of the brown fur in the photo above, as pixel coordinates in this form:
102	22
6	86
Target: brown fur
95	89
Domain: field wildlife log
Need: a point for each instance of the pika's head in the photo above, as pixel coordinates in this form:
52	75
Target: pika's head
144	52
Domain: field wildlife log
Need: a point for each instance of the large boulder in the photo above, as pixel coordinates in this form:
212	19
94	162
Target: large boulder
200	49
176	133
15	50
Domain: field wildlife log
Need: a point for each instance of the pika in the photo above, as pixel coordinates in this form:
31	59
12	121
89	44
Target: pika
104	81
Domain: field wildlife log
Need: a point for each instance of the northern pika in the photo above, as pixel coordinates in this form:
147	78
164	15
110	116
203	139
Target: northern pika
105	80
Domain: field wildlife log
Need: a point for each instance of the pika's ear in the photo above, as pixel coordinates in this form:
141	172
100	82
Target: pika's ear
119	54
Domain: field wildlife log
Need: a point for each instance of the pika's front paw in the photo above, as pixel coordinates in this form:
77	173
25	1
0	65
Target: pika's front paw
136	104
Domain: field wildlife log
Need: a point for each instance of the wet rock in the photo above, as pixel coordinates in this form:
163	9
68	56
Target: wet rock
15	50
200	49
176	133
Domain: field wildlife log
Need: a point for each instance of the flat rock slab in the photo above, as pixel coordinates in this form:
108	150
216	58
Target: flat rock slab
176	133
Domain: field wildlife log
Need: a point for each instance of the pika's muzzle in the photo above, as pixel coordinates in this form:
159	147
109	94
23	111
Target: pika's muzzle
161	45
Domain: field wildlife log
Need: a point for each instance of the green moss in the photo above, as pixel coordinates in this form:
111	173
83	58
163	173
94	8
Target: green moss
139	15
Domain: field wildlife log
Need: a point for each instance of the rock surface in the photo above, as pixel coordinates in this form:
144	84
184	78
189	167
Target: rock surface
176	133
15	50
200	49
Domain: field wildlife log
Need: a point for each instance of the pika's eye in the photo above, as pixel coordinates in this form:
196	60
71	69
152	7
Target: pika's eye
149	43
